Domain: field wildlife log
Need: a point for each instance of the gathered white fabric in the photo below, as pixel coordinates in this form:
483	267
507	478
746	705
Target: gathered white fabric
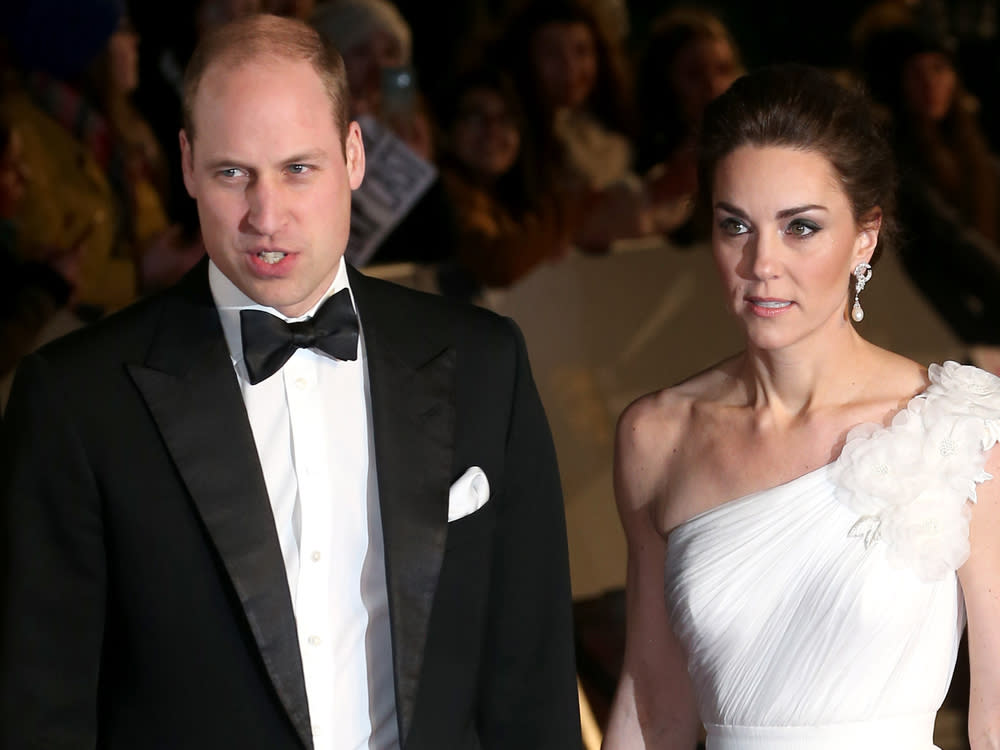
909	482
827	609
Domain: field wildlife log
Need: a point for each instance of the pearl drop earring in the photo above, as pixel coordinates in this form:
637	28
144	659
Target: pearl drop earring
862	275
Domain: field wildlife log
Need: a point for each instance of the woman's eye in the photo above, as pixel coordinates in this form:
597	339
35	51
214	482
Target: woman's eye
802	228
733	226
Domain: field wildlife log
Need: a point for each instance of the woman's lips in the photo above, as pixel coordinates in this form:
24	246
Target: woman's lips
768	307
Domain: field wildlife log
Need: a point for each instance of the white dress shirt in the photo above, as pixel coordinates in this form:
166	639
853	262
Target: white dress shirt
311	422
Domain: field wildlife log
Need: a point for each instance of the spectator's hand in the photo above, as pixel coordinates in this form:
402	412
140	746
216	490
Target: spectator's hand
669	181
615	213
67	265
166	258
65	262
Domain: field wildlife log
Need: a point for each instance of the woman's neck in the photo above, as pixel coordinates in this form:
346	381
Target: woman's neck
789	384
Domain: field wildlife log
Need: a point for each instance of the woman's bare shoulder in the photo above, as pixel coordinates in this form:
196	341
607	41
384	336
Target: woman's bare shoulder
652	427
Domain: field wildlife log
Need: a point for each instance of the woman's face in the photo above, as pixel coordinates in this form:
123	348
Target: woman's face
485	137
702	70
785	242
929	85
565	60
123	48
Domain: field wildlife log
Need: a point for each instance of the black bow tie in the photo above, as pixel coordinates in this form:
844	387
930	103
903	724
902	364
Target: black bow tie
268	341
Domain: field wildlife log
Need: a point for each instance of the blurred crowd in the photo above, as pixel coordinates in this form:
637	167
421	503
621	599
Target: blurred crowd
508	135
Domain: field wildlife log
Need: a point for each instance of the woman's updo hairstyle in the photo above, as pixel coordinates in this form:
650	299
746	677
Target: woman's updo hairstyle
800	107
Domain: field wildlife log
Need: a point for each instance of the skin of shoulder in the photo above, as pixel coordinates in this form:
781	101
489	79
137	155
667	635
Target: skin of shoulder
659	434
649	436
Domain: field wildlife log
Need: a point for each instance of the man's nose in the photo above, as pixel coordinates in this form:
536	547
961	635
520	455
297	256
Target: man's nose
266	206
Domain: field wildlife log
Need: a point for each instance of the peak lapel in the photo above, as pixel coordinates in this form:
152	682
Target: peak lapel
191	390
411	375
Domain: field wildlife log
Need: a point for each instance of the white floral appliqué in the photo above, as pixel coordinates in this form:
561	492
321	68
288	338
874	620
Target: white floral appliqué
911	482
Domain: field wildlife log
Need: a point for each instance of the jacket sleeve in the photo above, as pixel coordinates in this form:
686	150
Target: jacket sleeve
530	700
52	571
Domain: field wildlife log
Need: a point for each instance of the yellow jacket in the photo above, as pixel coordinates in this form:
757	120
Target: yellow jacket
69	199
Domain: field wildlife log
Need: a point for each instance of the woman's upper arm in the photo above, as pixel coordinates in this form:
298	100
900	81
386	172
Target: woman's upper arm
654	705
980	577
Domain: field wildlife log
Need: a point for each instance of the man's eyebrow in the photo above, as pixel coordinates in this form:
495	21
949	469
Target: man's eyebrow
313	155
317	154
730	208
223	162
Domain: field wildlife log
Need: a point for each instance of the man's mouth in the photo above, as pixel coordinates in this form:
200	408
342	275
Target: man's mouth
271	256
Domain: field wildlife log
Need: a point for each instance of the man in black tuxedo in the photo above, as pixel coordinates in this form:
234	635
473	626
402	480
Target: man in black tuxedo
221	529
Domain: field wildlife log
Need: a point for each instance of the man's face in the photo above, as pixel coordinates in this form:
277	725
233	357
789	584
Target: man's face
268	171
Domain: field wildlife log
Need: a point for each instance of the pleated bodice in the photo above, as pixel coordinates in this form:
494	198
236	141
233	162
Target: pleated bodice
826	612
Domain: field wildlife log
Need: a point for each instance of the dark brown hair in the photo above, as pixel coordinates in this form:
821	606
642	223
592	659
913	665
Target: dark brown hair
800	107
611	99
265	37
663	122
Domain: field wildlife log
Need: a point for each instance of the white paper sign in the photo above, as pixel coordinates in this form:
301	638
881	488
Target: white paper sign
395	178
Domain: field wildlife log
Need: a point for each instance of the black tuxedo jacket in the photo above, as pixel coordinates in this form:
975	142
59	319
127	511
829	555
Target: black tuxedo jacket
143	593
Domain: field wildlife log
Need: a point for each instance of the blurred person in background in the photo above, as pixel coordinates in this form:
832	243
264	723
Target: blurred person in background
507	225
373	36
86	187
950	179
376	44
936	131
688	59
30	291
582	92
572	77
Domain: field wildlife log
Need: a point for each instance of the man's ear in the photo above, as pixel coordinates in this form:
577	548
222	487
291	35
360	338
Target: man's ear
354	153
867	239
187	162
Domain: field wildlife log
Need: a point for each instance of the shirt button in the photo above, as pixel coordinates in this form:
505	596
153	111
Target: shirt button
317	729
316	556
301	383
314	640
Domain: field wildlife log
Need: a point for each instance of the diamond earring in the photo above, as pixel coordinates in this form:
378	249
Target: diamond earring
862	275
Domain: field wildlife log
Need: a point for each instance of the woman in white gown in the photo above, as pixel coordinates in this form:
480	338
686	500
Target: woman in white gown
809	521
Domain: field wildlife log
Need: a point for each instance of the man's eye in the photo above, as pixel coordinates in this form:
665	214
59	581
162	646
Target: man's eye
733	226
298	168
231	172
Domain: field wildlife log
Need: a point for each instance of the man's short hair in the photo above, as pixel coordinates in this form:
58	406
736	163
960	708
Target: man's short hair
262	38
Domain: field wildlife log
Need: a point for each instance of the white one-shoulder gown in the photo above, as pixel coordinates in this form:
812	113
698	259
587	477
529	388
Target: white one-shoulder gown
825	613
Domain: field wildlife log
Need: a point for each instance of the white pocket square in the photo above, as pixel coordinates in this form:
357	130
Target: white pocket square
468	494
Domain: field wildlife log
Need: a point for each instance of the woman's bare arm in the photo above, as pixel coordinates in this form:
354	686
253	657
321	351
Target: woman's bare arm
980	577
654	705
